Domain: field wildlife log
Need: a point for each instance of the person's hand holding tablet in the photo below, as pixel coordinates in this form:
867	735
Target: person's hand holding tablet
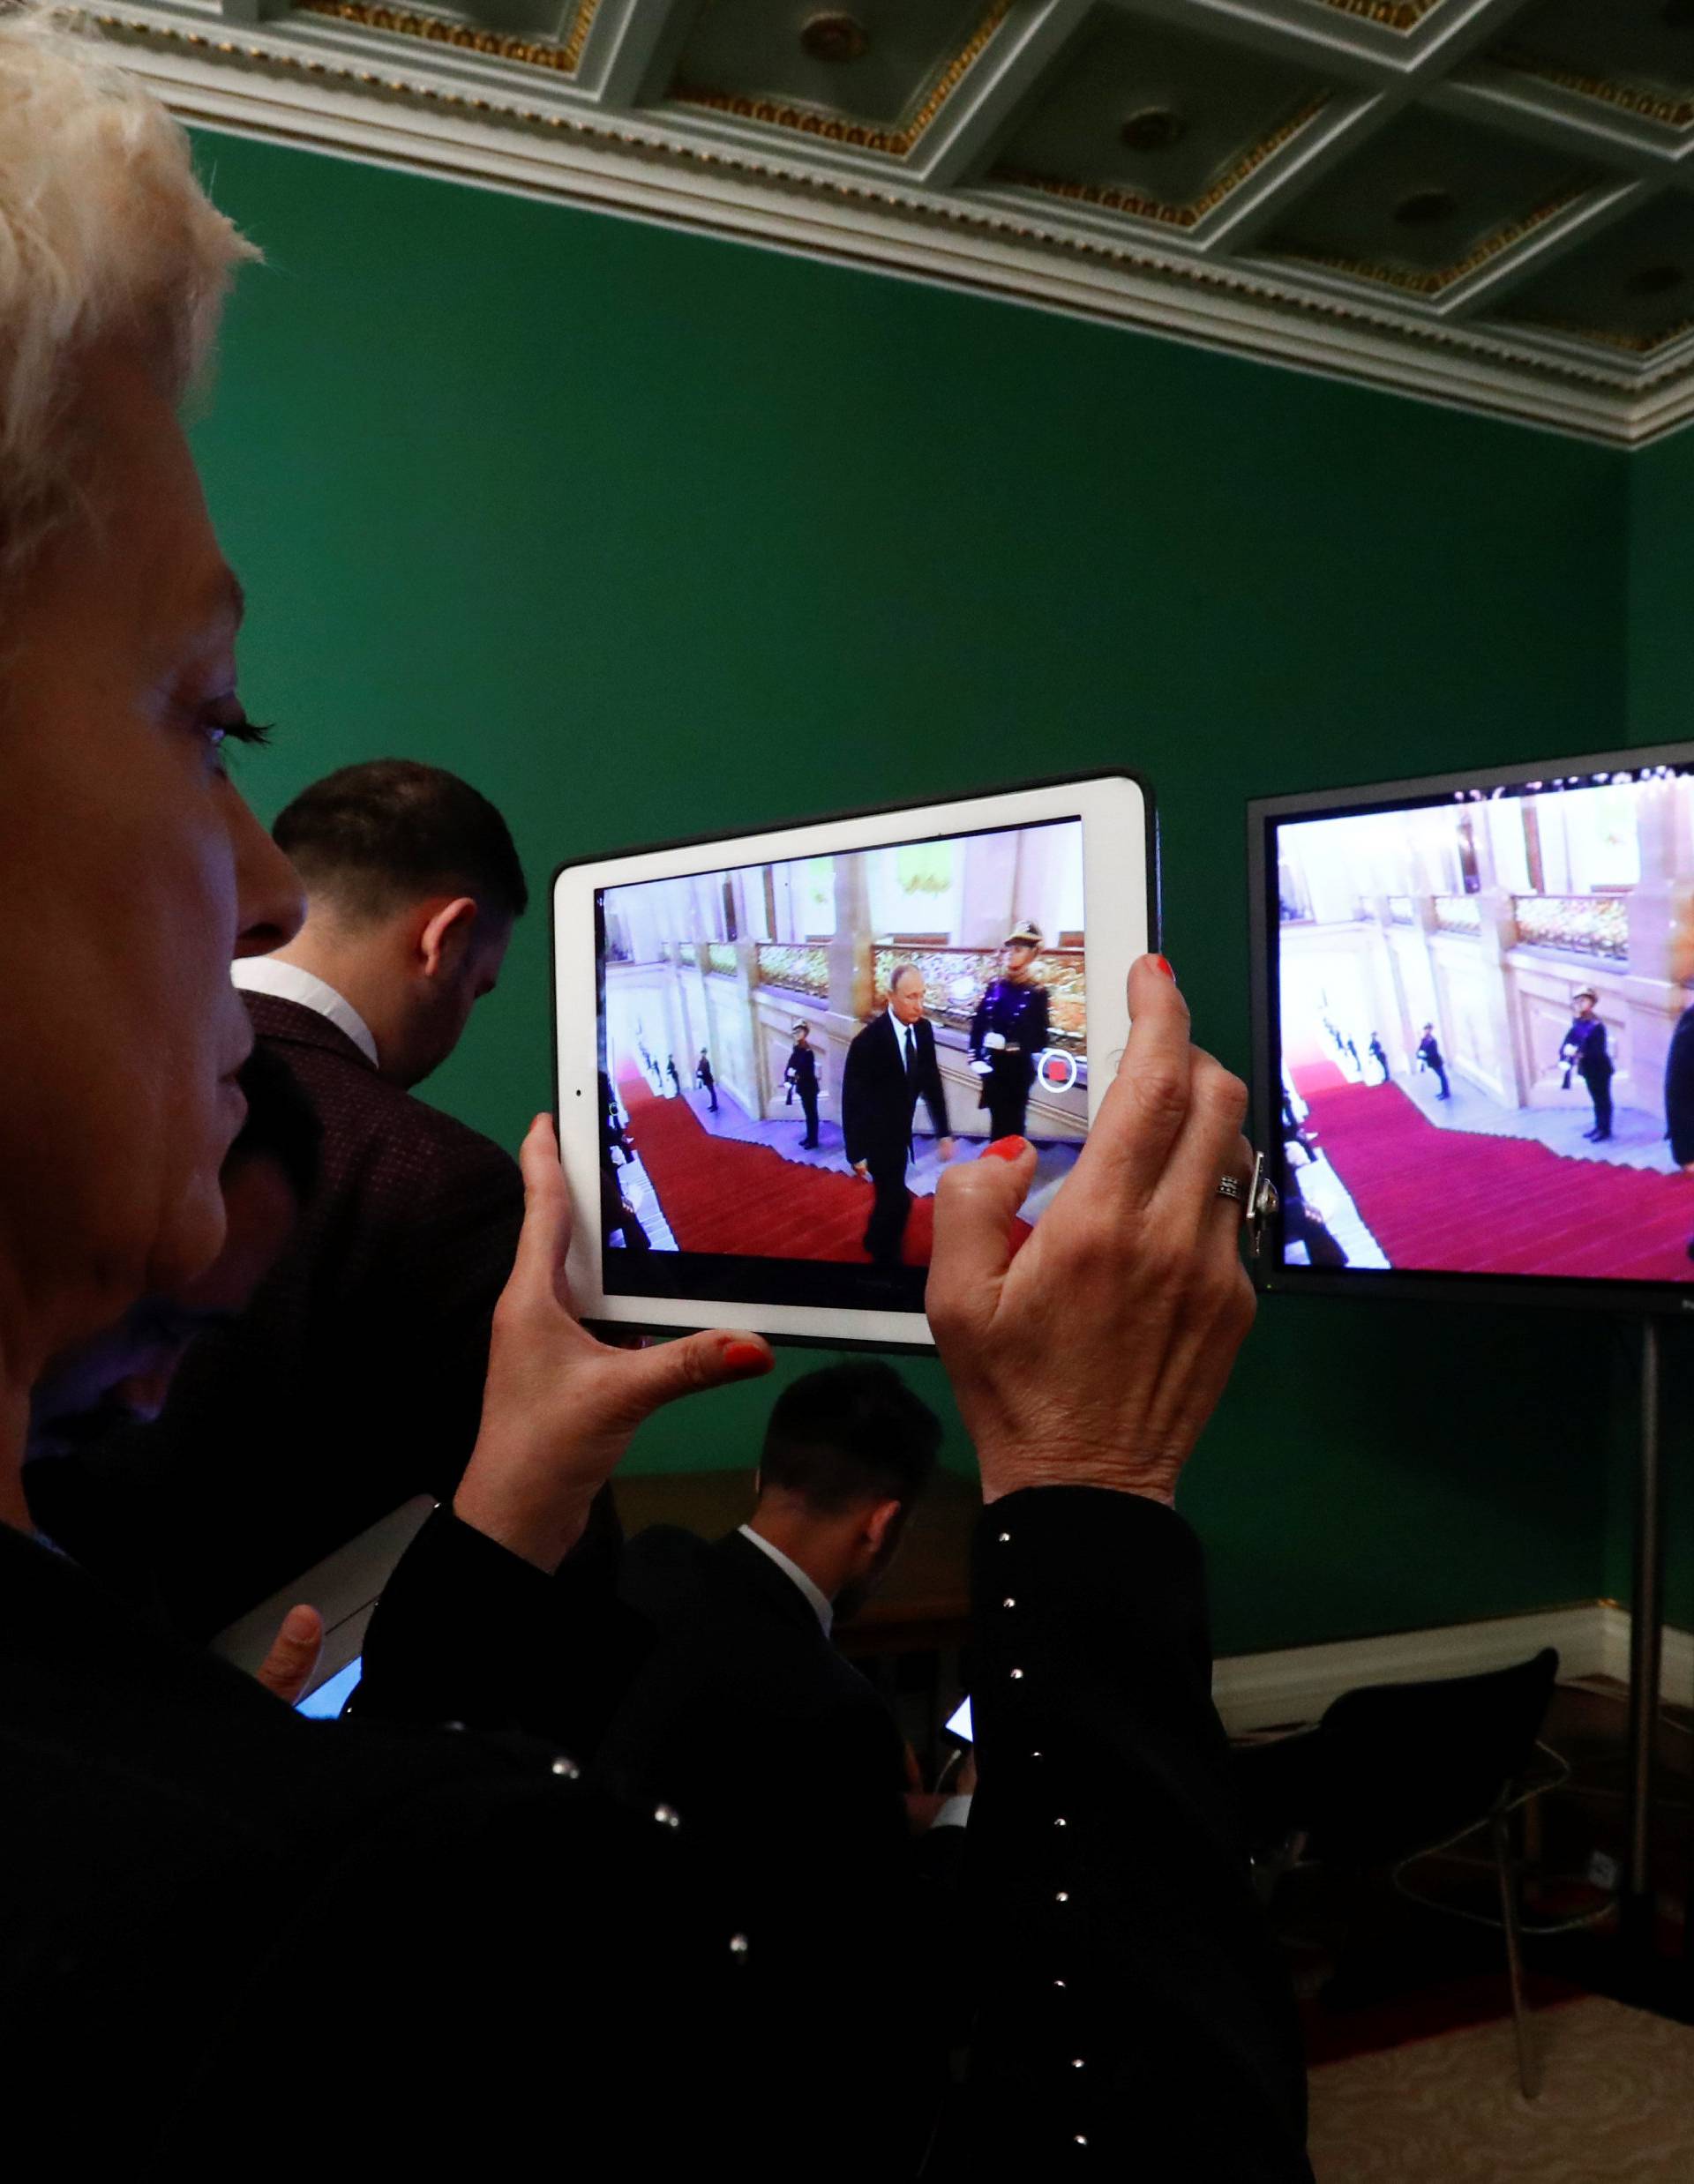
559	1407
1094	1357
1097	1355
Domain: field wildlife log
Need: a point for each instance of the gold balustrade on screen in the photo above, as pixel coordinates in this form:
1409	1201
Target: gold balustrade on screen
1458	912
1580	925
794	967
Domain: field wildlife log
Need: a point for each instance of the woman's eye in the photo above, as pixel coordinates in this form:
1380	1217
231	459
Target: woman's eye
240	730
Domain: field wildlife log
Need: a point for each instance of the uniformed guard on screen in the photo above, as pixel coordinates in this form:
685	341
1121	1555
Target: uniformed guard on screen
1584	1052
1429	1057
802	1075
1007	1031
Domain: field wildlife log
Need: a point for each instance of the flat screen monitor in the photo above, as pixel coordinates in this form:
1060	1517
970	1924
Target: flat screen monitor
1474	1043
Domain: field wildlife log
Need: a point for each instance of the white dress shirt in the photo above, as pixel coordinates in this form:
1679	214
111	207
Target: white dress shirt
287	981
822	1604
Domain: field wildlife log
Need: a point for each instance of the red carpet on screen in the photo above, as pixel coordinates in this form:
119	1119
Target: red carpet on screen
721	1195
1469	1204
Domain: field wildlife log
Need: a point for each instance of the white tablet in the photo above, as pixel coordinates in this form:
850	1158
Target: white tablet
770	1047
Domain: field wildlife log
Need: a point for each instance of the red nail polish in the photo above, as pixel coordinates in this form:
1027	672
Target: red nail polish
745	1358
1004	1148
1160	964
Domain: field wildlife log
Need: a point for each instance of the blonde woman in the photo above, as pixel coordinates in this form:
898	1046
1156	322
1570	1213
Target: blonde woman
233	1944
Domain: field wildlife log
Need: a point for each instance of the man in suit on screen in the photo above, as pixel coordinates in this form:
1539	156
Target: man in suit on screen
890	1066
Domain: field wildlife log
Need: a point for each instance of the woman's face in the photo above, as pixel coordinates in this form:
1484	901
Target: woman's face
131	874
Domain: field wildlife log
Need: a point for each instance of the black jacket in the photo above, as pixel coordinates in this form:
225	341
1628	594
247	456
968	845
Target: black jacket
743	1697
235	1943
1679	1090
1016	1009
1091	1699
877	1098
1585	1049
747	1717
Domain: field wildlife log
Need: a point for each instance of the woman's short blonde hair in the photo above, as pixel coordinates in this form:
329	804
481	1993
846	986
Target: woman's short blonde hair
104	234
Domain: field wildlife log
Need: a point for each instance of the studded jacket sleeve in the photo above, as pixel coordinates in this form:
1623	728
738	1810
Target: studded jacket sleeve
1132	2014
467	1631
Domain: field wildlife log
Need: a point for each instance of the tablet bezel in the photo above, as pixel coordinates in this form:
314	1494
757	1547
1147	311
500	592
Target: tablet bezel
1121	907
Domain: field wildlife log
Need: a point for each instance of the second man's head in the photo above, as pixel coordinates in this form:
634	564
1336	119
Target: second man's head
413	887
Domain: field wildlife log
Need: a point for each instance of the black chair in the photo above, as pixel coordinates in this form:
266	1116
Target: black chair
1394	1772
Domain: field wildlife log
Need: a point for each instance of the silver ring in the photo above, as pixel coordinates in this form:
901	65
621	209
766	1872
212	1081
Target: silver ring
1258	1201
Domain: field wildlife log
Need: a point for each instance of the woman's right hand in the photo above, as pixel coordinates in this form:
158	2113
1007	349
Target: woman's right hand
1097	1355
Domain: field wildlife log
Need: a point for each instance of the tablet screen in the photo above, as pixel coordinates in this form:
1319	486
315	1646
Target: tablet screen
792	1054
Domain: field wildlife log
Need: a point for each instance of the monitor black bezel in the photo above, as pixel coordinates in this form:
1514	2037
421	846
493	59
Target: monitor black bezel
1271	1273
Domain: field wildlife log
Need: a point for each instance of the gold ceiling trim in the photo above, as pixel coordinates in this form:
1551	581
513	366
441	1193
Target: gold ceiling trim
1440	277
1632	344
813	121
1139	207
139	31
1653	106
1392	14
561	55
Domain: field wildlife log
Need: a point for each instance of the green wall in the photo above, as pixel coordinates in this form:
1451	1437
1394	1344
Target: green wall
649	534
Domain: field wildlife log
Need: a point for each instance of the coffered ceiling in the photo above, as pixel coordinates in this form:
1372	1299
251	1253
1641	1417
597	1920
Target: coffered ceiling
1486	202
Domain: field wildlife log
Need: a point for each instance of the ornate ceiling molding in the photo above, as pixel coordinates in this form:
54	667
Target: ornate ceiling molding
1436	280
1194	212
1392	14
1653	106
843	129
529	114
562	54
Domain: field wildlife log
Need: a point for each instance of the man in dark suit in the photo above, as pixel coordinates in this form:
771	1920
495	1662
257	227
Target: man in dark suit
1679	1096
890	1066
746	1701
746	1666
354	1381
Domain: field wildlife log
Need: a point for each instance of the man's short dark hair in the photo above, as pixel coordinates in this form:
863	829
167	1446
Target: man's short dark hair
373	838
852	1433
282	1123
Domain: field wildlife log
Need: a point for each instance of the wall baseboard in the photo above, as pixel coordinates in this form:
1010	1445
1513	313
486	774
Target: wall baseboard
1268	1690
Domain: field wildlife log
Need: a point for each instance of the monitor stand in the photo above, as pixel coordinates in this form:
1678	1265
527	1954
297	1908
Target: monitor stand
1637	1913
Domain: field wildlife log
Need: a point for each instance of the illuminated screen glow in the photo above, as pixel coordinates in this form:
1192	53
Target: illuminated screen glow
793	1053
1486	1048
